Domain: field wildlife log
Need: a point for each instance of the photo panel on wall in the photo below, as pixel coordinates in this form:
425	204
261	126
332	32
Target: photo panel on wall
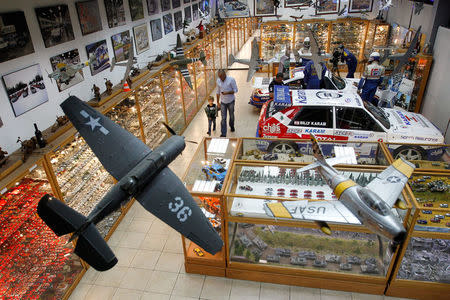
358	6
141	39
136	9
89	16
187	14
15	36
25	89
186	1
156	29
264	8
54	22
121	43
115	12
152	7
165	5
176	3
195	12
99	51
168	23
178	18
67	69
327	7
296	3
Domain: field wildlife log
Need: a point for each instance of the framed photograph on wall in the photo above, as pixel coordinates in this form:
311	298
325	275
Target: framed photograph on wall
178	19
71	57
152	7
168	23
327	7
115	13
55	24
136	9
18	42
25	89
89	16
176	3
296	3
356	6
233	9
195	12
100	52
264	8
141	39
186	1
165	5
121	43
187	14
156	28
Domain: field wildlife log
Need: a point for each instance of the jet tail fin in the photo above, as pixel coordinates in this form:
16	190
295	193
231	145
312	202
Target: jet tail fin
90	245
203	58
231	59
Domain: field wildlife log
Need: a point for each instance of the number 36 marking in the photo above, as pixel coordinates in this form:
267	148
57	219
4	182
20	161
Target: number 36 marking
183	212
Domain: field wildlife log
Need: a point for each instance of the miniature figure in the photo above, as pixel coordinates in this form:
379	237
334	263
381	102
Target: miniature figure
39	138
60	121
27	147
134	72
96	91
149	66
3	157
109	86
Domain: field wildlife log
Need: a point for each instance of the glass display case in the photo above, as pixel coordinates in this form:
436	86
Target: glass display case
275	37
188	95
377	37
209	70
125	114
171	89
321	29
217	40
222	43
34	262
351	34
152	112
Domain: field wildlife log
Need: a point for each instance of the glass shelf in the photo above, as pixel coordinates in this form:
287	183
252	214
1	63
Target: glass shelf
172	96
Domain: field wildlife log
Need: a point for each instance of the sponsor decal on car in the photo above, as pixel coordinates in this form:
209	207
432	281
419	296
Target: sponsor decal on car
313	130
328	95
343	132
404	118
272	128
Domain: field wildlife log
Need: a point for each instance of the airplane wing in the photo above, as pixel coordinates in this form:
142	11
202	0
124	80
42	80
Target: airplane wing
168	199
390	183
185	72
255	51
108	140
251	70
180	50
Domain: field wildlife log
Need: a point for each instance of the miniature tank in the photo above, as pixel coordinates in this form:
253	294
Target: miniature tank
345	266
369	269
283	252
319	263
245	240
307	254
259	243
298	261
273	258
336	259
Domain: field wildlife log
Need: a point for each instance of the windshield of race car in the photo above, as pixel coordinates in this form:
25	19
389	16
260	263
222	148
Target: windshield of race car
378	113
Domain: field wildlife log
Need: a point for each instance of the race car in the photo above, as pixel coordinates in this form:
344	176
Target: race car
343	116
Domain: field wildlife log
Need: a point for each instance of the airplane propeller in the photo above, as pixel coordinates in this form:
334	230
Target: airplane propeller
172	132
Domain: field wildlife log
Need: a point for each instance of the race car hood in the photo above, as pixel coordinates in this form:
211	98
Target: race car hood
409	127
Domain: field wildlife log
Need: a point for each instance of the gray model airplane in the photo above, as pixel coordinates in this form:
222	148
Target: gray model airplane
296	19
371	205
65	73
141	173
128	64
181	61
316	54
254	63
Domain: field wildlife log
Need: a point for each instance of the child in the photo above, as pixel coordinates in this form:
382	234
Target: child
211	113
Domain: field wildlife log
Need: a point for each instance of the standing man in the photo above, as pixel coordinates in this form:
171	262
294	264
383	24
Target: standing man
349	59
226	88
285	63
371	79
310	78
277	81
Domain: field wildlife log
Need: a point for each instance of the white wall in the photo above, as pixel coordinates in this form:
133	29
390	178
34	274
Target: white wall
436	103
45	114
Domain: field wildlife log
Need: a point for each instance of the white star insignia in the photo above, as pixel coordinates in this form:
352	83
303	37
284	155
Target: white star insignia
93	123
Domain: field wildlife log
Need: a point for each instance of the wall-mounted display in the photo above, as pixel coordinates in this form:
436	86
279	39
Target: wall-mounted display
232	9
25	89
136	9
168	23
264	8
186	1
327	7
55	24
357	6
165	5
100	52
195	11
295	3
141	38
15	36
178	19
121	44
115	12
187	14
71	57
89	16
156	29
152	7
176	3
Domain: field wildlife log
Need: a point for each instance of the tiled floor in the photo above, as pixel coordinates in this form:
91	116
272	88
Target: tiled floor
151	262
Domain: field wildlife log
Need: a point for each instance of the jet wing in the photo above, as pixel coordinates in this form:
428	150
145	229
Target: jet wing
390	183
108	140
185	72
180	50
251	70
167	198
255	51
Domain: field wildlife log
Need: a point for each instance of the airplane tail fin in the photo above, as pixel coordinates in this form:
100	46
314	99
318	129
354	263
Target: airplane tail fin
231	59
203	58
90	245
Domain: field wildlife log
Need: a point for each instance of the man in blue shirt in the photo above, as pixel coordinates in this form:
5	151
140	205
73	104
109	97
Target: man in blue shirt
310	78
226	88
349	59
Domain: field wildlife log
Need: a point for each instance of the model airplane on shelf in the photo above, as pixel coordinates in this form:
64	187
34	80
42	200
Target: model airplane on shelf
296	19
181	62
128	64
65	73
141	174
254	63
316	54
371	205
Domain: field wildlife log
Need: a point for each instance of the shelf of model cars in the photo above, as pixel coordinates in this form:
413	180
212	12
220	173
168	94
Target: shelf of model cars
201	82
300	151
275	37
82	179
34	262
321	31
172	95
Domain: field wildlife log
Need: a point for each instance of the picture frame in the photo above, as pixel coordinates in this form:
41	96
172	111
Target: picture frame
358	6
178	20
156	28
176	4
186	1
232	9
67	58
168	23
187	14
121	43
25	89
152	7
326	7
60	29
115	13
136	9
295	3
100	51
19	42
195	11
264	8
89	16
165	5
141	39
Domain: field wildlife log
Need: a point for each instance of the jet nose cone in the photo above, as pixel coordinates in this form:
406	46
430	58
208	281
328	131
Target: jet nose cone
400	237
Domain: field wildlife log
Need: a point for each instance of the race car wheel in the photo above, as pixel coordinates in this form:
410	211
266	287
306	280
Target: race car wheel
410	153
283	147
